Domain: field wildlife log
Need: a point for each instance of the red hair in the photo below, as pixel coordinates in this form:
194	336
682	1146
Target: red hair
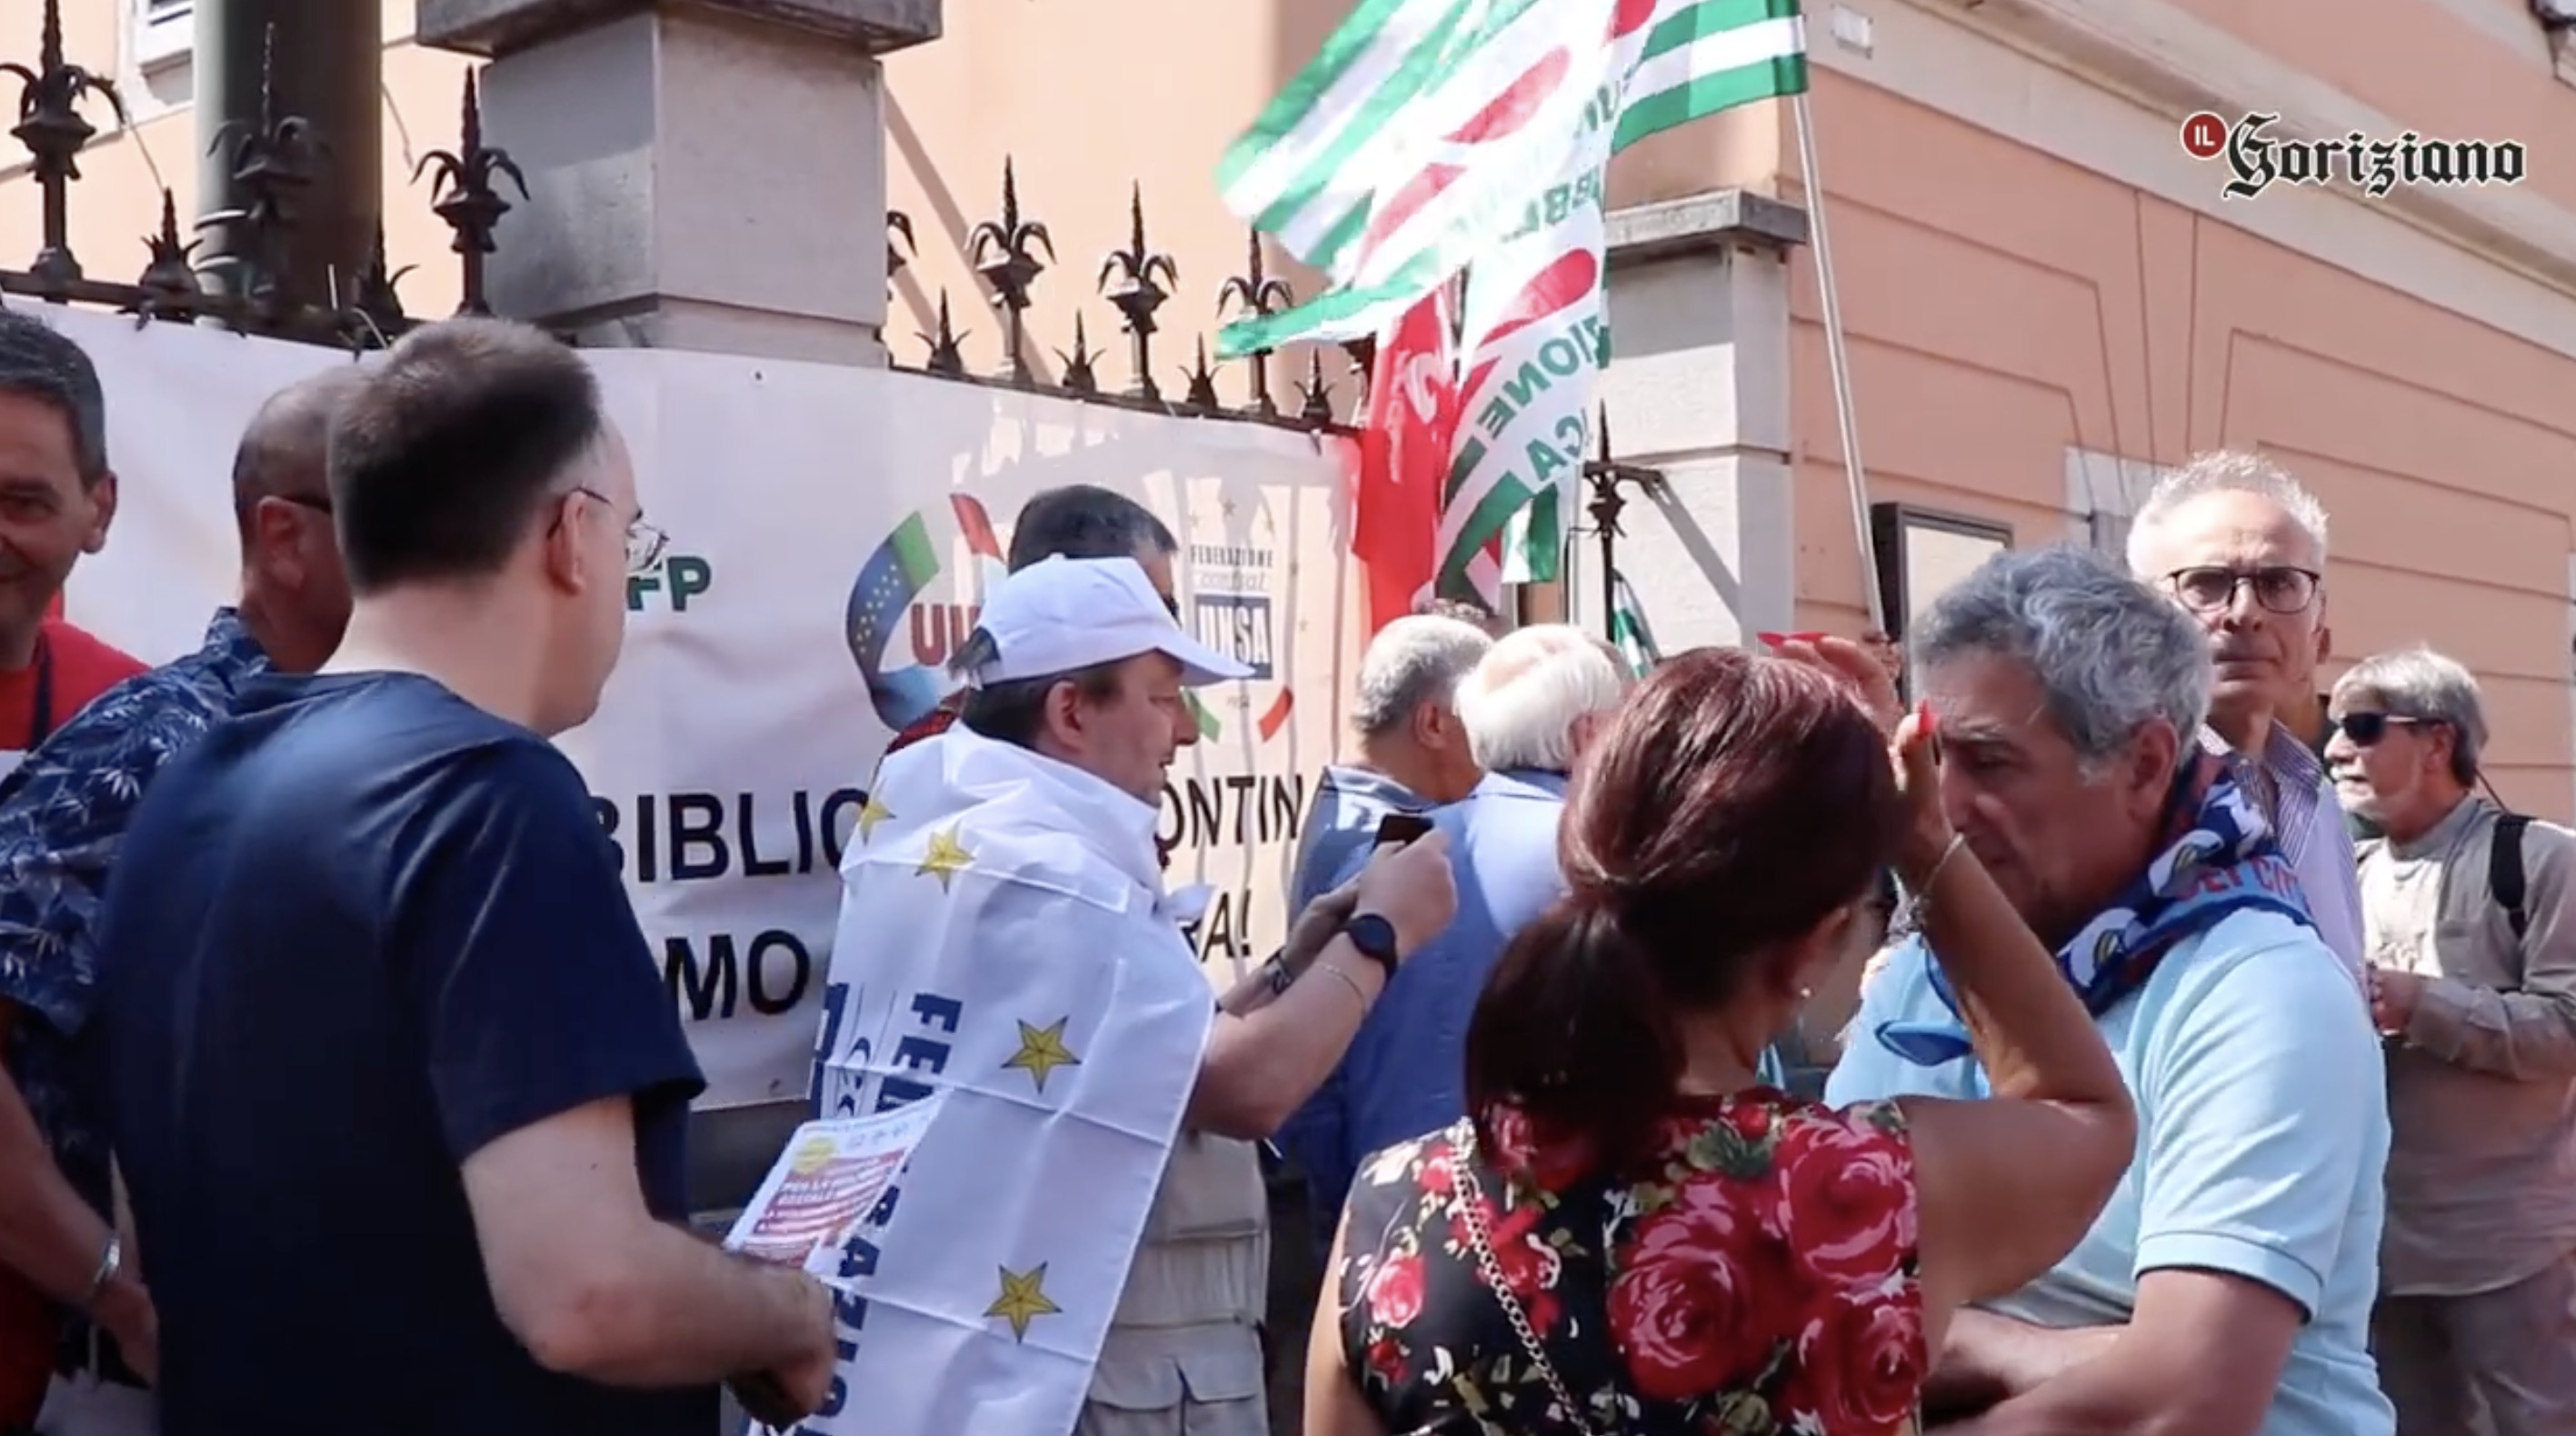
1732	805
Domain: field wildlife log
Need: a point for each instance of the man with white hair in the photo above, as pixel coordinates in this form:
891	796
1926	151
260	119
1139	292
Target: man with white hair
1413	753
1530	708
2474	983
2241	546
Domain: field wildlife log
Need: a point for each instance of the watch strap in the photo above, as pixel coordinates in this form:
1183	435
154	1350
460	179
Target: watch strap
1374	936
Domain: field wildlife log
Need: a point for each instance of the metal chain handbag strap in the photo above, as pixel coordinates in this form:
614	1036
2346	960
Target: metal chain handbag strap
1480	1236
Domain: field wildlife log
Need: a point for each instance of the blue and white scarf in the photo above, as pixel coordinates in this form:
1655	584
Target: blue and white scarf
2220	860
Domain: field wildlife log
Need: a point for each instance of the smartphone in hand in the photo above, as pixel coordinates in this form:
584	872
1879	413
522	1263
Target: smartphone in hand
1401	828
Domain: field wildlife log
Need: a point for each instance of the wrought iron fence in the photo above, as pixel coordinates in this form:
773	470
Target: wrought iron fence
273	162
1011	250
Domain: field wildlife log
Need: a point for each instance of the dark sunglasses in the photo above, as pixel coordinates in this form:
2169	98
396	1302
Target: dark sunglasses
2366	729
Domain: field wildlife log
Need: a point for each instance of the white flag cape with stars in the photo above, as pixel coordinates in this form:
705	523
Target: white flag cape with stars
1004	940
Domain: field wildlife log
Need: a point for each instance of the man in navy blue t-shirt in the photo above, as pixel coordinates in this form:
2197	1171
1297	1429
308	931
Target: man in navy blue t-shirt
396	1086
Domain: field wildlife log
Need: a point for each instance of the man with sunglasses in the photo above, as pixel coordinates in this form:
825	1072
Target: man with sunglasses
62	824
2474	984
2241	547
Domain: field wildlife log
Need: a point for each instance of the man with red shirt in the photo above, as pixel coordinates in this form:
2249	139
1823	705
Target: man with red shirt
56	499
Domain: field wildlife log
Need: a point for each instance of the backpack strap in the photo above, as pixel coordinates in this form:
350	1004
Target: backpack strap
2504	869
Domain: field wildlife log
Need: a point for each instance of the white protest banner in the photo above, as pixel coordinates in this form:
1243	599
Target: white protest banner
732	751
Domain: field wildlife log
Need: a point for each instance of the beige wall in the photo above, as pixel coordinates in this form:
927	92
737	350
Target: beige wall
2028	264
2052	273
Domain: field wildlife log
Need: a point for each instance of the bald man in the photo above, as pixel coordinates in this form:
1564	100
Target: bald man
62	819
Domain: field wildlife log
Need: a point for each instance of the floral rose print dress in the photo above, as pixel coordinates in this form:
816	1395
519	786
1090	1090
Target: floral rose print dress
1759	1281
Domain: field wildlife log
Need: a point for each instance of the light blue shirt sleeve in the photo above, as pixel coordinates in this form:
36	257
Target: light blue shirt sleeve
2262	1100
1867	1071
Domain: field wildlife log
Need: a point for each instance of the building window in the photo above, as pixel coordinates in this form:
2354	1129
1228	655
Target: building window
160	31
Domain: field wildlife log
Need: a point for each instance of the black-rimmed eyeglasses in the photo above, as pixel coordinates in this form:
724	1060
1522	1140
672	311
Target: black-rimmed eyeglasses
2212	589
644	541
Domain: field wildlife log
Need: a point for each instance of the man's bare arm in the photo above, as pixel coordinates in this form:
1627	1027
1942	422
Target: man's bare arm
1313	931
595	1287
1262	1065
48	1235
1986	1358
2201	1356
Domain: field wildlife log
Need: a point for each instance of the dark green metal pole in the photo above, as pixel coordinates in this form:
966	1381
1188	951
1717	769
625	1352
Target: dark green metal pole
259	65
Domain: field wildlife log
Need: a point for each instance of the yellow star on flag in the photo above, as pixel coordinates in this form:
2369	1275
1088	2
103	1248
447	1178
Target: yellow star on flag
1023	1300
1042	1050
946	859
874	813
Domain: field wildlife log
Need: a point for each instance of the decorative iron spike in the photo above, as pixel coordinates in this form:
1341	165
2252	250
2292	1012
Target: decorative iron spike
1606	475
1258	295
1201	394
898	223
1080	374
1362	353
1143	280
272	163
1002	250
462	192
947	354
52	128
1318	392
377	300
169	281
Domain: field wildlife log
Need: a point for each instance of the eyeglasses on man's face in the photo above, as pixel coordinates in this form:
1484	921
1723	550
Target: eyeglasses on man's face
2366	729
644	542
2211	588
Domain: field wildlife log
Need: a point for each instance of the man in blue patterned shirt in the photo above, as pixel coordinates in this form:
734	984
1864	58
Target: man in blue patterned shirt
62	819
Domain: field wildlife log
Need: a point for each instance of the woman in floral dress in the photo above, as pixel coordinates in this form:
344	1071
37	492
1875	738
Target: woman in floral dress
1632	1234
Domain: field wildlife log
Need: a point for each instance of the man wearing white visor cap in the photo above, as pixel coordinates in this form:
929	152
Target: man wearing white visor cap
1080	1242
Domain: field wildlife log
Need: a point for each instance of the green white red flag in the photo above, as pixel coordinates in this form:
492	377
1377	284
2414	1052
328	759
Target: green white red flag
1628	630
1408	148
1537	332
1407	145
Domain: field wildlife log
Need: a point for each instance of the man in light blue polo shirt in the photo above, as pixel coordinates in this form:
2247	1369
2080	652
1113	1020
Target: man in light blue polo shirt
2226	1289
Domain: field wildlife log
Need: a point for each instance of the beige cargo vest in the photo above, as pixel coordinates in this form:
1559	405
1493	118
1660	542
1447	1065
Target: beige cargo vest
1187	1325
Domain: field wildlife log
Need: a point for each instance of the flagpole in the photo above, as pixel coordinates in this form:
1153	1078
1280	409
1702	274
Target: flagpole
1838	361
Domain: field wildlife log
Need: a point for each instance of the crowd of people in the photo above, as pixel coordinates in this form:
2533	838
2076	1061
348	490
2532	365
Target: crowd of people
2210	1072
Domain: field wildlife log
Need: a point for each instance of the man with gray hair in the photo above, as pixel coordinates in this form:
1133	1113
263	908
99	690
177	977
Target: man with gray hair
2473	980
1413	753
2226	1289
2241	546
1530	708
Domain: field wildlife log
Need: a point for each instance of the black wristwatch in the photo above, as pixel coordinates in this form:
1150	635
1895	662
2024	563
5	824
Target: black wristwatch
1374	936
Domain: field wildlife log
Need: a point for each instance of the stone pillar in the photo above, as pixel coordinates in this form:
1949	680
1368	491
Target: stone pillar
1698	387
708	175
264	61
